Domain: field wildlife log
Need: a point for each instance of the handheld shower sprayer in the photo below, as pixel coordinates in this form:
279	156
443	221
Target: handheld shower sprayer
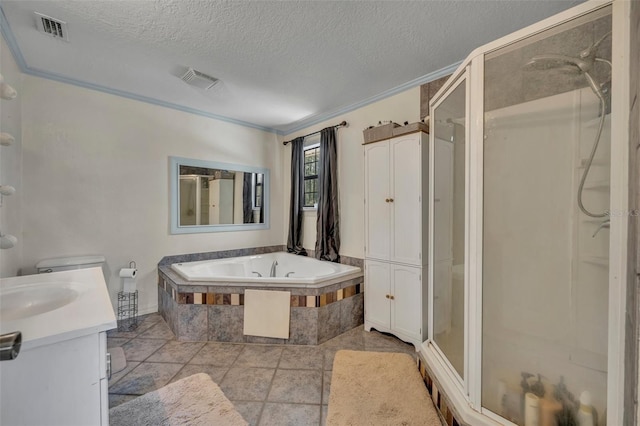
582	64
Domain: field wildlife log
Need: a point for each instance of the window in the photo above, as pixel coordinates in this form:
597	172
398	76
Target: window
311	157
257	189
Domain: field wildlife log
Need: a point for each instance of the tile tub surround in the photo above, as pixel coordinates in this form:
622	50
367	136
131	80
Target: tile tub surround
198	311
193	257
444	407
345	260
267	384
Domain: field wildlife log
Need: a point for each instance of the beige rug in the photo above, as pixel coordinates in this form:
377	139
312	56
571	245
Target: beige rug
194	400
378	388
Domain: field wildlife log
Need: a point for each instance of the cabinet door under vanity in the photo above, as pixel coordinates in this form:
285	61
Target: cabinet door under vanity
66	383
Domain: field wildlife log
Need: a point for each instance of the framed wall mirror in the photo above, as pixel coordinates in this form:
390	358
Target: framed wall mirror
207	196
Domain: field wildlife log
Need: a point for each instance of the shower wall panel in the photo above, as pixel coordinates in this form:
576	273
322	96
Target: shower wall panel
545	276
546	260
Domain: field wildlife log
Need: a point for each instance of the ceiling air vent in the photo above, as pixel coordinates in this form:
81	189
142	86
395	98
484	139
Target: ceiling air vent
51	26
198	79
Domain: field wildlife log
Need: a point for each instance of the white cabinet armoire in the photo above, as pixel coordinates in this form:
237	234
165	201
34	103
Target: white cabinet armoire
396	187
221	201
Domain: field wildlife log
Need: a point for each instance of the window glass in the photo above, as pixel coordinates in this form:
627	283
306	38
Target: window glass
311	157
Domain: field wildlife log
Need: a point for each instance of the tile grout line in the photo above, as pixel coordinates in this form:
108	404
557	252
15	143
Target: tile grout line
264	403
140	363
186	363
322	371
322	387
380	343
229	367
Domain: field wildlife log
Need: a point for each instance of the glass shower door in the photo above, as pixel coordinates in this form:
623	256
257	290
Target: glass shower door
188	200
449	202
545	251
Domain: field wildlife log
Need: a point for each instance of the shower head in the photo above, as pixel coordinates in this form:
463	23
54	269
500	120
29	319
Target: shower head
450	122
583	63
567	64
562	62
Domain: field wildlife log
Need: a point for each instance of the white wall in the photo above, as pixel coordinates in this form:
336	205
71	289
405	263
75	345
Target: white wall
10	163
399	108
96	181
95	177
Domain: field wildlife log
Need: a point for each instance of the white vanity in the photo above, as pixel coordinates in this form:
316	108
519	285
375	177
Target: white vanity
60	375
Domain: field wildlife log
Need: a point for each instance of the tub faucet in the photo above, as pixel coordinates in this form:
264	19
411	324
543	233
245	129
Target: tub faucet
10	345
273	268
259	274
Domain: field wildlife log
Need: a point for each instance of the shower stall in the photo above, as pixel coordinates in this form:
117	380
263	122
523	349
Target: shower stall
524	285
194	200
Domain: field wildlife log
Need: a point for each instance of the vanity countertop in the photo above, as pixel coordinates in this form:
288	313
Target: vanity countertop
57	306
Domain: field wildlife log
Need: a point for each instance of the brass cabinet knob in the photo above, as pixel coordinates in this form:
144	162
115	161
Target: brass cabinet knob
386	200
391	297
387	296
391	200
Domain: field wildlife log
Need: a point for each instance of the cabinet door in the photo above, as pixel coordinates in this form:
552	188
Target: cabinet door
406	305
376	293
221	201
53	384
376	194
214	201
406	204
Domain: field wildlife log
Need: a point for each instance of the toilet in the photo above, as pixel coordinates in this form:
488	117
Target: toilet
69	263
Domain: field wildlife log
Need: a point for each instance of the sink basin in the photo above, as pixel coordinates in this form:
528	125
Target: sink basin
35	299
55	307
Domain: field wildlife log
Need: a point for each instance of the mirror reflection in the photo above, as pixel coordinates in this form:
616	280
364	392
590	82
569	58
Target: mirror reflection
218	197
208	196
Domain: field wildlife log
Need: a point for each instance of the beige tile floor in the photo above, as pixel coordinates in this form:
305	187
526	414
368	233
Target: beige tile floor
268	384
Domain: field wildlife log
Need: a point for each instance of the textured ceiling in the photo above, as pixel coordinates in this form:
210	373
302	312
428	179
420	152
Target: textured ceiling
281	64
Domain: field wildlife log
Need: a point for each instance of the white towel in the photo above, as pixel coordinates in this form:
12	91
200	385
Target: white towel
266	313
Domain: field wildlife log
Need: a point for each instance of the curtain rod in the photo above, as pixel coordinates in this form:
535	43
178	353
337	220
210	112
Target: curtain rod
343	124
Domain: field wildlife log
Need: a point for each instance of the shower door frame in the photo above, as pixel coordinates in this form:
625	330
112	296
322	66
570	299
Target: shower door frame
466	396
461	79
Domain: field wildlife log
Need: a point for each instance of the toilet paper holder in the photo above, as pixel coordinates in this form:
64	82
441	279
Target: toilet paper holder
128	299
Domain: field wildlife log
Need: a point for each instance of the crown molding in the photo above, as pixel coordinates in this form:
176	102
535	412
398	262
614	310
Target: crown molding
319	118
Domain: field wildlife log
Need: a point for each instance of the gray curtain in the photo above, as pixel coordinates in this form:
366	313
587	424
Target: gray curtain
247	212
328	223
294	242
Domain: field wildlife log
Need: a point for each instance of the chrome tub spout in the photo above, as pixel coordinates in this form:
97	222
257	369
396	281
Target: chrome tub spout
10	345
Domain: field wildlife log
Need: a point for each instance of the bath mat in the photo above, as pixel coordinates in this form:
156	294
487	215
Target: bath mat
118	360
195	400
378	388
266	313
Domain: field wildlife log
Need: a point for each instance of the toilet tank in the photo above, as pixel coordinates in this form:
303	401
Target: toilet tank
68	263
